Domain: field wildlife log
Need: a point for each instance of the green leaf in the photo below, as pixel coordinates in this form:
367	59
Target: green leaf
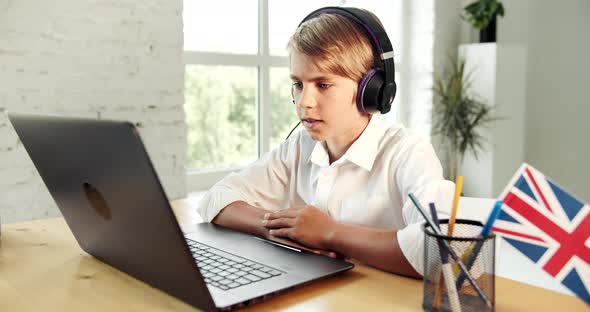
480	13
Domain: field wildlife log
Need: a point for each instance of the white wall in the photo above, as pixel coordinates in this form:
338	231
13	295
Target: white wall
558	102
100	59
544	44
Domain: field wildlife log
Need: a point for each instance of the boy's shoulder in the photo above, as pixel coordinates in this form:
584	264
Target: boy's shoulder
399	136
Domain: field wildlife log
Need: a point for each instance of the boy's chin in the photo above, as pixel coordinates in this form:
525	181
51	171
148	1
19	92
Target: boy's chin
316	136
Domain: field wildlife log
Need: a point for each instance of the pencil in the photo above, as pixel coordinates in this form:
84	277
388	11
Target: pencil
458	189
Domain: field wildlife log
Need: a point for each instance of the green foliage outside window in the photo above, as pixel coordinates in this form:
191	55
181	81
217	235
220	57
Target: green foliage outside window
221	114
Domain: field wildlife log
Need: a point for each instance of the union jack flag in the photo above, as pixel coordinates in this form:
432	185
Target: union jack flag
549	226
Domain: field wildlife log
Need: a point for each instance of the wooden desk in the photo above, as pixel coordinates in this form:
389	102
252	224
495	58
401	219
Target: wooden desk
43	269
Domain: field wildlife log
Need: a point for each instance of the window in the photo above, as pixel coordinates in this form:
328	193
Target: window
237	87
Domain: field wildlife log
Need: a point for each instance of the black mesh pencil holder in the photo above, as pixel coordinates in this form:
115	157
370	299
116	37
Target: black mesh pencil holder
473	291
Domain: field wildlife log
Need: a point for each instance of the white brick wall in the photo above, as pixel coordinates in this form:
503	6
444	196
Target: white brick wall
93	58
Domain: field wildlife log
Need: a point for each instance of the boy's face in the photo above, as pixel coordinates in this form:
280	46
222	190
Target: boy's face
325	102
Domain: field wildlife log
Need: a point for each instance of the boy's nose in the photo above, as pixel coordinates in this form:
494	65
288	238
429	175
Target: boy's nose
305	99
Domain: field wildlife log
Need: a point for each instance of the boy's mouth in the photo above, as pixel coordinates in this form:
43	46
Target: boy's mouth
310	122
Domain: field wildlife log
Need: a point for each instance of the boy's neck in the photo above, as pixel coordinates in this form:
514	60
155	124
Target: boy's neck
338	146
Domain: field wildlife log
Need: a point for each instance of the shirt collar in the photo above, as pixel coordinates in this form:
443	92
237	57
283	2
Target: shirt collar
362	152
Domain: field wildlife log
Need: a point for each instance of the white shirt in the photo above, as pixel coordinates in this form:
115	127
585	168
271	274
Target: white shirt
368	185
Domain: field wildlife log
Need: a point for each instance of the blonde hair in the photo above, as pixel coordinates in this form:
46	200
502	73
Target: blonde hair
336	44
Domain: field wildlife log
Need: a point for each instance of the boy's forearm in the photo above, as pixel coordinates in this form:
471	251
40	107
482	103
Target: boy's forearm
375	247
242	217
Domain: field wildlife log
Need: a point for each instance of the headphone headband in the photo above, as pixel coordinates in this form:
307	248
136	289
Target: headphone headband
383	56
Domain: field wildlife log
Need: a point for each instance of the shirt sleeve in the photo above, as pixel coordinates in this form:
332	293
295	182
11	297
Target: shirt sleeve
262	184
419	172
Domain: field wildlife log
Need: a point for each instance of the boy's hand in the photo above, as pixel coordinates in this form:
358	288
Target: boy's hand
306	225
292	243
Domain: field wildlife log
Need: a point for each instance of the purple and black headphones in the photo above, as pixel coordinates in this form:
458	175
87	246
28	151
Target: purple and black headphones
377	88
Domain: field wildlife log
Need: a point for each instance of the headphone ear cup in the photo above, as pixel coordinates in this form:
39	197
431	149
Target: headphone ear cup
370	90
387	96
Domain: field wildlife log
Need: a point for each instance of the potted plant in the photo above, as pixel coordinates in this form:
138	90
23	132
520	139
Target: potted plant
482	14
458	114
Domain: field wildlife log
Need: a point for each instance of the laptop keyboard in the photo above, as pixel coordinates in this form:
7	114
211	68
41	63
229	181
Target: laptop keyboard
227	271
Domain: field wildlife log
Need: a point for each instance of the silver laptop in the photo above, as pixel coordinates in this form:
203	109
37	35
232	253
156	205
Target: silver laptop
105	185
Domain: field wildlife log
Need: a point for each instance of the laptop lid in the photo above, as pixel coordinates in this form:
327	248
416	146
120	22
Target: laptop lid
91	166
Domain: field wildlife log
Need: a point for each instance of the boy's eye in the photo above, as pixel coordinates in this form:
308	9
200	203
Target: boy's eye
323	85
297	85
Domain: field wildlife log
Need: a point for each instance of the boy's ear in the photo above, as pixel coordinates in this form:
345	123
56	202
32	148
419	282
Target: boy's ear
353	100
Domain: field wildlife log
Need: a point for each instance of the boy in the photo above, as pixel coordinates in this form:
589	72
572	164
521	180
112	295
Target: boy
341	186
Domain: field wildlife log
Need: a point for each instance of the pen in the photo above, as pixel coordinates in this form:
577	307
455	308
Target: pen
472	253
